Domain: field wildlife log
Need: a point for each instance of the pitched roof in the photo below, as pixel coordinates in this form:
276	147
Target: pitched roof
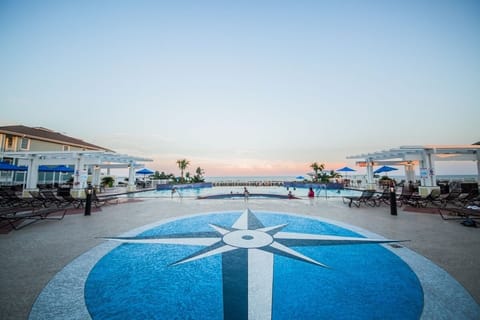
44	134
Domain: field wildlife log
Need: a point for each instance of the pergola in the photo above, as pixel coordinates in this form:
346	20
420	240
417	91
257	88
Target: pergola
83	162
422	156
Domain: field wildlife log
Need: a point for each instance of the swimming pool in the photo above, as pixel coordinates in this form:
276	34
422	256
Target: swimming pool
237	191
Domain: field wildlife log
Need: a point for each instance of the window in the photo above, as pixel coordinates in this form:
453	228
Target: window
66	148
9	143
25	144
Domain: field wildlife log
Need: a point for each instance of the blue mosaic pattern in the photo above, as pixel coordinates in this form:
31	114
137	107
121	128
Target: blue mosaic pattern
138	281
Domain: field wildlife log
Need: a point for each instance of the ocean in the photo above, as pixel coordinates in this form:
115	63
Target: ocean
251	178
398	178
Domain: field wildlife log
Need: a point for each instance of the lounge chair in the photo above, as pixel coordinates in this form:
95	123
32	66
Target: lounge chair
433	198
365	198
383	197
11	199
75	202
15	217
404	197
51	198
450	197
466	198
39	198
102	200
467	212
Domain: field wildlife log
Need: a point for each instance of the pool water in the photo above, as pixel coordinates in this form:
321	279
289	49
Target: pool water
201	192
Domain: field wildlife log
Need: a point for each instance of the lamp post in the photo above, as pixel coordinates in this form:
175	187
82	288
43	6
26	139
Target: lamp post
88	199
393	201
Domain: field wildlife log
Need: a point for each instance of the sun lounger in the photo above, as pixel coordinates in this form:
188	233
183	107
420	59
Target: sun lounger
450	197
52	199
404	197
19	218
75	202
12	210
102	200
39	198
466	198
467	212
383	197
432	199
365	198
11	199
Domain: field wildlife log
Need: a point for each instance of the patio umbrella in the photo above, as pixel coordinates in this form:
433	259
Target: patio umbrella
345	169
5	166
45	169
63	169
384	169
145	171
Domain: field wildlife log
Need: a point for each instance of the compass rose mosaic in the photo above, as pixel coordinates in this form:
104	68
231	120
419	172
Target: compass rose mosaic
249	265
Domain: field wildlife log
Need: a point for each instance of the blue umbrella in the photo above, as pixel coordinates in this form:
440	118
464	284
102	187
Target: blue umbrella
5	166
345	169
145	171
45	169
63	169
384	169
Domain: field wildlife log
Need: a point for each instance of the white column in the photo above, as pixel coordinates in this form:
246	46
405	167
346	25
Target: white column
32	176
96	177
410	172
131	178
79	184
370	182
429	181
424	168
432	177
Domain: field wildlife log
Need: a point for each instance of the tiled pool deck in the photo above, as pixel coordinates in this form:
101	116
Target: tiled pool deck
41	277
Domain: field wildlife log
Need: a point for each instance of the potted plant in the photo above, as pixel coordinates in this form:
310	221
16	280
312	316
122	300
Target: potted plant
108	181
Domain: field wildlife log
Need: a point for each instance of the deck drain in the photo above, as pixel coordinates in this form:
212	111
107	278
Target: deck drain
394	245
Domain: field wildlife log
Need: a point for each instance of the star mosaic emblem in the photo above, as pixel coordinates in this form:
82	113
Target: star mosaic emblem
247	249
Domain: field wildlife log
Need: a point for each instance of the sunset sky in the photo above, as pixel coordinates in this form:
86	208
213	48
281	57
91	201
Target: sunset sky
244	87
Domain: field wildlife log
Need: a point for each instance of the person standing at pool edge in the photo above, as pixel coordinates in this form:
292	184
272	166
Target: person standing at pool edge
245	193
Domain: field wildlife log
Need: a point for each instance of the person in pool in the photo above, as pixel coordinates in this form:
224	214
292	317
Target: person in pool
311	193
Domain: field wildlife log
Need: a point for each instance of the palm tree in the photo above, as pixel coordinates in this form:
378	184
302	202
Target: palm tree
334	174
198	177
316	168
182	165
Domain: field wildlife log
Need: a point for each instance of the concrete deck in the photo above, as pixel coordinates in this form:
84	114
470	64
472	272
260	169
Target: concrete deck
31	257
